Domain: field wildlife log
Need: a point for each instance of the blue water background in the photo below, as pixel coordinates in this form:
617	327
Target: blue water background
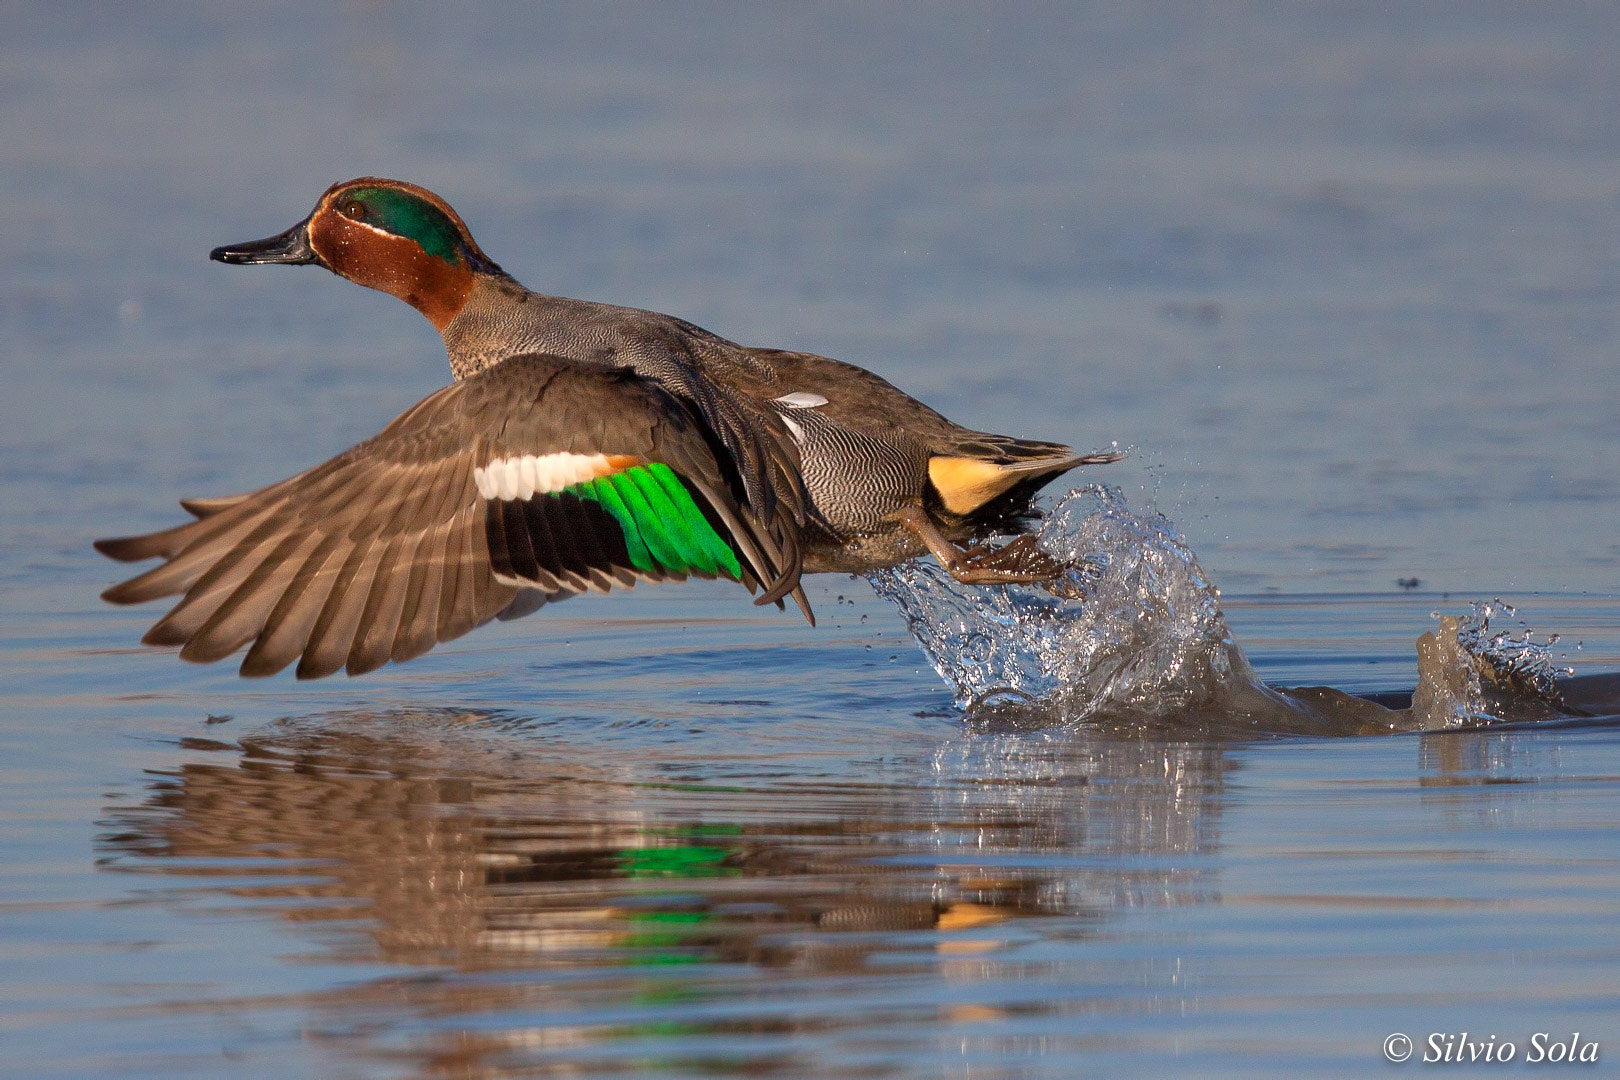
1346	279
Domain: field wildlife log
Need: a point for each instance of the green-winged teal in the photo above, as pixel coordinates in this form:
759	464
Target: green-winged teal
581	446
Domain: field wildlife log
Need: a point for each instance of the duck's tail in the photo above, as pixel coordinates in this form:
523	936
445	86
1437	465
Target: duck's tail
982	472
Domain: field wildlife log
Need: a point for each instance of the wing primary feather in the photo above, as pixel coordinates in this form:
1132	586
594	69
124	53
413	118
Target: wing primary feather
418	620
170	543
457	608
287	629
454	490
146	546
489	597
212	589
241	617
333	635
189	563
368	511
235	563
204	508
379	622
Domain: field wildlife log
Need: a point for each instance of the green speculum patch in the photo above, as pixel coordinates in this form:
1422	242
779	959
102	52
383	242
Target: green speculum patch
662	524
413	217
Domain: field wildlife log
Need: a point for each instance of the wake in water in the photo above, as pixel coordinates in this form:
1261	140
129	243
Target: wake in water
1133	634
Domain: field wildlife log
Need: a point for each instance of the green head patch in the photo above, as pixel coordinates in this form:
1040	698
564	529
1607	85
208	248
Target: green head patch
403	213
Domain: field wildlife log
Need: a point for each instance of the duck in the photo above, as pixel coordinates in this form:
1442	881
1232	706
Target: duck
581	447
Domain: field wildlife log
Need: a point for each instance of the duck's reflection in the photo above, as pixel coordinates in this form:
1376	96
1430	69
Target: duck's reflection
436	841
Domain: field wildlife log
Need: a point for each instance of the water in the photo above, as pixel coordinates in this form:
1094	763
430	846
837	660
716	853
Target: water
1131	633
1347	283
1134	623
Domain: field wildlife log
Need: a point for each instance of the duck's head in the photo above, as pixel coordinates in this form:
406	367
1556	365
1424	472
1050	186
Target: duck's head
384	234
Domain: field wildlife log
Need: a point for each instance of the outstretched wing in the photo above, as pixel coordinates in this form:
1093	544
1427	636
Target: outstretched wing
540	475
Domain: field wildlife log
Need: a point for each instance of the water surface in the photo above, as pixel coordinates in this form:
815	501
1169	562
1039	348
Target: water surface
1347	283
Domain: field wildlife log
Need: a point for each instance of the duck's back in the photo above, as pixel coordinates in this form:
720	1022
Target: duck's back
865	448
862	401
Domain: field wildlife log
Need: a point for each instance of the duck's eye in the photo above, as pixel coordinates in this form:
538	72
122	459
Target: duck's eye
355	209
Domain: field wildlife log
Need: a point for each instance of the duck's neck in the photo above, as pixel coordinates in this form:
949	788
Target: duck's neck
501	319
437	284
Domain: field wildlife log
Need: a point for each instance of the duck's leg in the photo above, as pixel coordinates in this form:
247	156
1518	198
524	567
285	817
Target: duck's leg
1017	563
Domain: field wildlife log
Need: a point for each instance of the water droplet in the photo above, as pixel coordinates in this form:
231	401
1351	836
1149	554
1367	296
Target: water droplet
1148	631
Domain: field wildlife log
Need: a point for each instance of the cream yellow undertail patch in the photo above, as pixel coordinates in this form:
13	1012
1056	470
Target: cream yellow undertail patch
965	484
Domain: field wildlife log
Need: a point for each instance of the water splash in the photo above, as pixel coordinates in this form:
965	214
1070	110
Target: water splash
1134	625
1514	661
1471	673
1133	631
